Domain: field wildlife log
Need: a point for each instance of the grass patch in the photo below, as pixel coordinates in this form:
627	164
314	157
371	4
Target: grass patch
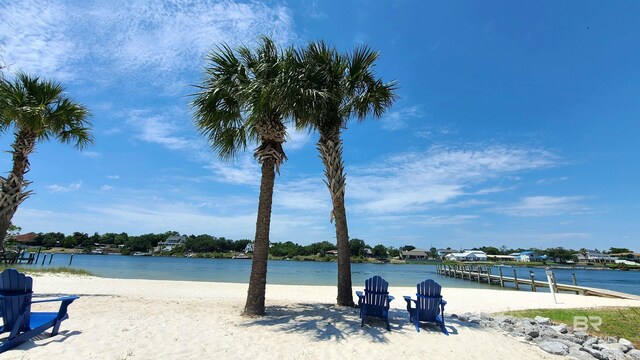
47	270
618	322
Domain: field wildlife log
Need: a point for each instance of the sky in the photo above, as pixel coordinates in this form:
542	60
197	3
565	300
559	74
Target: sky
517	123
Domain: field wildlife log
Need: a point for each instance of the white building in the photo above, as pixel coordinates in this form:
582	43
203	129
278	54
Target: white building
469	255
171	243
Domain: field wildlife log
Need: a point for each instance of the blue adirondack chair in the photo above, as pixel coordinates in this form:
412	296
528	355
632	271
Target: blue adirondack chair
15	308
375	300
428	307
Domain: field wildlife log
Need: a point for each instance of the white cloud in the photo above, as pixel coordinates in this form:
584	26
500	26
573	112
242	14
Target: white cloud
306	194
62	188
106	187
543	206
413	181
397	119
158	129
297	140
35	38
243	170
91	154
113	177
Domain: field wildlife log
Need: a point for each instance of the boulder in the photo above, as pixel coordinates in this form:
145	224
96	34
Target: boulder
560	329
593	352
611	354
542	320
634	354
626	342
612	346
590	341
554	347
580	355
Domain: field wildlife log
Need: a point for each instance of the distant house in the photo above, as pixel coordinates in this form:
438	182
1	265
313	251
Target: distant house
415	254
331	252
26	239
172	242
248	248
529	256
469	255
501	258
593	256
444	252
635	257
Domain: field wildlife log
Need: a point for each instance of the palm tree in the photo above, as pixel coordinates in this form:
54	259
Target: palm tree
242	101
333	88
38	110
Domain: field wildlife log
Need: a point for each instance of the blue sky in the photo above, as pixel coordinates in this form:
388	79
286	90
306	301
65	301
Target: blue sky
517	123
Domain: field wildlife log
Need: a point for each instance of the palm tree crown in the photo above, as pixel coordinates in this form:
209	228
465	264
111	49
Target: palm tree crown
37	110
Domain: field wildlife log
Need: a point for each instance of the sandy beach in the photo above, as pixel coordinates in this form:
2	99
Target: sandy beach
154	319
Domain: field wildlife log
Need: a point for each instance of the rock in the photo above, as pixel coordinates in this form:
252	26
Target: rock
634	354
533	333
626	342
503	319
590	341
595	353
547	332
542	320
486	317
453	316
506	327
474	319
463	318
554	347
611	354
580	355
612	346
528	338
571	338
611	339
560	329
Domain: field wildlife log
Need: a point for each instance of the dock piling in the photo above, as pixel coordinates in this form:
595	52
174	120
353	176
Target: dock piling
515	279
533	280
501	280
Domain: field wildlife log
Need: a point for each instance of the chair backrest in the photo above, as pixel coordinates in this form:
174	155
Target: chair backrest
376	295
429	298
15	296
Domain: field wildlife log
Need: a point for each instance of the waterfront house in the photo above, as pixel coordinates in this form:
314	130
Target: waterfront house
415	254
25	239
592	256
171	243
248	248
331	252
501	258
469	255
444	252
529	256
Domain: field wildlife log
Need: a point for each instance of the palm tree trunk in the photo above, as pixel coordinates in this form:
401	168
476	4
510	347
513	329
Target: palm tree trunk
330	148
12	187
258	279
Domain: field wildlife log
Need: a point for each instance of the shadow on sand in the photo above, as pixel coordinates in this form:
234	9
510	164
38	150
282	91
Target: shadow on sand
328	322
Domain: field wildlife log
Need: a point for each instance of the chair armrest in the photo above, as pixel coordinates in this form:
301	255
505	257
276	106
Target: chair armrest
67	299
359	294
391	298
443	302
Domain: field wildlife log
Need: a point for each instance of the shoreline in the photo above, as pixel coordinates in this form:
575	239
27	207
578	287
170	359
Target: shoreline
141	319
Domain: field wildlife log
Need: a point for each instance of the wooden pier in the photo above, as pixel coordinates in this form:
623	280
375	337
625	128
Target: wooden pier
483	274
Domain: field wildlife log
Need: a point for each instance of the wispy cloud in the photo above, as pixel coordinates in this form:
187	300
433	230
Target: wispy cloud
244	170
113	177
106	187
91	154
63	188
397	119
157	129
50	36
543	206
413	181
34	35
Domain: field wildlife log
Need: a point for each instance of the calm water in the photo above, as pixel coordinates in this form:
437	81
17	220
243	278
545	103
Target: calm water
313	273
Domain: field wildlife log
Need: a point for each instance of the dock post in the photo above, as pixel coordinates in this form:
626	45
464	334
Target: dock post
555	283
515	279
70	259
51	258
575	282
43	259
501	281
38	256
479	273
489	275
533	280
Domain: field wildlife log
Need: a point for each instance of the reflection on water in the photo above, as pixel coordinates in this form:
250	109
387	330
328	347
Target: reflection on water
316	273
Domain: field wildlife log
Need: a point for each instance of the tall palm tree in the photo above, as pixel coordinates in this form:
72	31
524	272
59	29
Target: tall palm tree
38	110
242	101
334	88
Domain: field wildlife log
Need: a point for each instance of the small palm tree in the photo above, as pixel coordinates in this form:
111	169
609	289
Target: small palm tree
38	110
242	101
332	89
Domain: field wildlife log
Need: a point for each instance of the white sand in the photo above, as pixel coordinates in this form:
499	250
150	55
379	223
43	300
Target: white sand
145	319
